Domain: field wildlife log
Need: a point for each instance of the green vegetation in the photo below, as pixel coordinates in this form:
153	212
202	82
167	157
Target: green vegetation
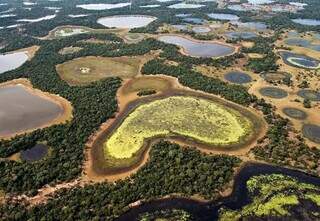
166	215
177	170
273	195
212	123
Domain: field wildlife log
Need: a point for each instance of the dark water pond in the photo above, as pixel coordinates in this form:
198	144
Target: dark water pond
209	211
312	132
299	60
295	113
238	77
198	48
273	92
21	110
302	43
243	35
36	153
309	94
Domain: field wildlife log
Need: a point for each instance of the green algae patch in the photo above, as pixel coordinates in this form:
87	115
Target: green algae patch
200	119
273	195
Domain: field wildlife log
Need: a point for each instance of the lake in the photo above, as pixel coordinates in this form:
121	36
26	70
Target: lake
102	6
126	21
12	61
22	110
198	48
223	16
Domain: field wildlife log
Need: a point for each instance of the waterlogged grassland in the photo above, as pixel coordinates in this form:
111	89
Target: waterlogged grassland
274	195
199	119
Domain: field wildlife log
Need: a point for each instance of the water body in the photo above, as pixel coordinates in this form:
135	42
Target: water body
209	211
48	17
243	35
238	77
198	48
312	132
37	152
185	5
260	2
12	61
102	6
182	15
126	21
260	26
193	20
295	113
273	92
299	60
22	110
201	29
300	42
150	6
308	22
223	16
309	94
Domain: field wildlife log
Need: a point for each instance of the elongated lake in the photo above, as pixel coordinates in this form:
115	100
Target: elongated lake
126	21
198	48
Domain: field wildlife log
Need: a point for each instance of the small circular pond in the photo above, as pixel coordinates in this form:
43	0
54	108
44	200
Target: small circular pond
312	132
309	94
294	113
126	21
273	92
238	77
299	60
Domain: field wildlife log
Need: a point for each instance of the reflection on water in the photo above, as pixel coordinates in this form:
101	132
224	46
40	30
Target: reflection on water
198	48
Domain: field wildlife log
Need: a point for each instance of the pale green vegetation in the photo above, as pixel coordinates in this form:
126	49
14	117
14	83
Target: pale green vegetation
200	119
273	195
89	69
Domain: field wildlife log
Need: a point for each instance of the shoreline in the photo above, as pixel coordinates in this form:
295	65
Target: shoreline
64	105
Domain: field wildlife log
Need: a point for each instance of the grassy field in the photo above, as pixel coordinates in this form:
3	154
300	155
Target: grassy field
147	83
89	69
200	119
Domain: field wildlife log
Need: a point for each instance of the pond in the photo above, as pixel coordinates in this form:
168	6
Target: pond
243	35
309	22
193	20
126	21
12	61
102	6
185	5
22	110
260	26
312	132
238	77
300	42
201	29
150	6
299	60
210	211
37	152
223	16
198	48
48	17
